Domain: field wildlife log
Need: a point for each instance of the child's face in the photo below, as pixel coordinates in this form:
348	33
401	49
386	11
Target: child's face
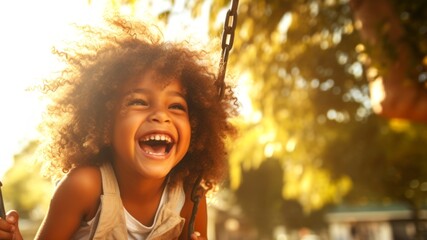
151	132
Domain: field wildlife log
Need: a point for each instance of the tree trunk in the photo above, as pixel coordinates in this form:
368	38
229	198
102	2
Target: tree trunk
393	95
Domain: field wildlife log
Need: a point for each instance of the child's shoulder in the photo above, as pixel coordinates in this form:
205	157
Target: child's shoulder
85	178
84	185
76	199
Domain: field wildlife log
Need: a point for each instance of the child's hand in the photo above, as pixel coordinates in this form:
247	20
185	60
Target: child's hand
9	228
196	236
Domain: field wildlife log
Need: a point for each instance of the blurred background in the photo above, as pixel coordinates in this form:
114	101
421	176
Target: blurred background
333	125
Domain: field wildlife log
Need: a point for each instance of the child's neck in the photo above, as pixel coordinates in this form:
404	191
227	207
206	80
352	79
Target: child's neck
140	196
141	188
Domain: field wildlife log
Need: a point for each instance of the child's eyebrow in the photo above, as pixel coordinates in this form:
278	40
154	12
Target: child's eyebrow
137	90
176	93
147	91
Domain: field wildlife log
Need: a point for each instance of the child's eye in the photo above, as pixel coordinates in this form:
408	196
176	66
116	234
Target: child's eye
178	106
137	102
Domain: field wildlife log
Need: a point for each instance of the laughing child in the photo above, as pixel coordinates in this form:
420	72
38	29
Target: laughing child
134	120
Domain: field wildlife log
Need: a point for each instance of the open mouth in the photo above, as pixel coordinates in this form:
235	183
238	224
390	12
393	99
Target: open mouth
156	144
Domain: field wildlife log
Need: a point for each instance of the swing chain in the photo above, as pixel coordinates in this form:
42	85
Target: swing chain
2	211
226	44
196	194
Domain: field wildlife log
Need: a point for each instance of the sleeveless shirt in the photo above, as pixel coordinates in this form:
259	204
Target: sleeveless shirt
113	222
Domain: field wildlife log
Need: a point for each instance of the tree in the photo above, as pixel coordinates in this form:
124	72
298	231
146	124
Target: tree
395	35
261	198
306	86
260	195
25	189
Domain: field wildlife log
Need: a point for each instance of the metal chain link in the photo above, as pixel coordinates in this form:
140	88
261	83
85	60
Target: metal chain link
226	44
2	211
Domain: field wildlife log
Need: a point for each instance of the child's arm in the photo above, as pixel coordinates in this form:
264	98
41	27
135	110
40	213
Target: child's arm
9	228
200	224
76	199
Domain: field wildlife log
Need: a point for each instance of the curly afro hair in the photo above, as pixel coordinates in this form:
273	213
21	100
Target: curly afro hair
85	93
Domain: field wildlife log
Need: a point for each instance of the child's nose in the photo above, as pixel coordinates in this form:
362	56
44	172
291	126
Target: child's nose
159	116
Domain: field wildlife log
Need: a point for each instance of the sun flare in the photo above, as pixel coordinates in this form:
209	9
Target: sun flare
29	29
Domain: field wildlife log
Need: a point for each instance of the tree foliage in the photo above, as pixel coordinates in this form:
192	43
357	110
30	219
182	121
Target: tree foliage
25	189
300	58
302	64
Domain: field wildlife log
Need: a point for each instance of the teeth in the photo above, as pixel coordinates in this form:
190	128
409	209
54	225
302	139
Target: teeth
156	154
158	137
